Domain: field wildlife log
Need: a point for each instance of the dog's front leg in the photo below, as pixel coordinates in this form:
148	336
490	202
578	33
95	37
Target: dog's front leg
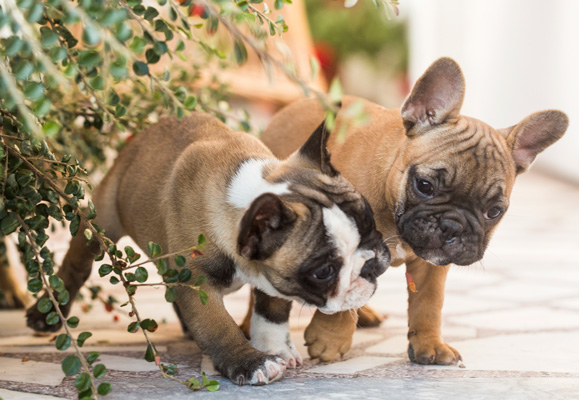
270	328
221	339
330	334
424	315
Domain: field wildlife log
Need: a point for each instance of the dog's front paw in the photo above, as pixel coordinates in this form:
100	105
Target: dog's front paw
330	335
280	345
432	351
260	369
37	320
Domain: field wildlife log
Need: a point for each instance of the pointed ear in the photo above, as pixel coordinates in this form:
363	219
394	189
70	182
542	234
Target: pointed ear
436	96
314	153
533	135
264	227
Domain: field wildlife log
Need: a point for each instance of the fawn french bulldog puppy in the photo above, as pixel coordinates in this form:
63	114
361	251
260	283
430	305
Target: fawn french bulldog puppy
294	230
439	183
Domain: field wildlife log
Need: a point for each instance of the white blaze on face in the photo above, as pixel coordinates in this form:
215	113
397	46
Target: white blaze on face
248	184
353	291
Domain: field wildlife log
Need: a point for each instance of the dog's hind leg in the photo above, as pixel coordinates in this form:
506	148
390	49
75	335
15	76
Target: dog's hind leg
77	264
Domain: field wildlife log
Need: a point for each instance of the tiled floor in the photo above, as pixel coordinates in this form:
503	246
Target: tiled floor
514	317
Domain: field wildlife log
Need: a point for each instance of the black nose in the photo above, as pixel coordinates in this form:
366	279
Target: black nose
450	230
373	269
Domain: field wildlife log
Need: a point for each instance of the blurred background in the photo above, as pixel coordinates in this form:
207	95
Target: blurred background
518	57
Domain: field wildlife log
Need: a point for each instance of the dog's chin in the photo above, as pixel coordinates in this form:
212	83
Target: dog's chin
355	297
440	257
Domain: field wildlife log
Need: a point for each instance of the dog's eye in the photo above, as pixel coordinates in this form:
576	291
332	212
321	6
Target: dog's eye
424	187
324	273
493	213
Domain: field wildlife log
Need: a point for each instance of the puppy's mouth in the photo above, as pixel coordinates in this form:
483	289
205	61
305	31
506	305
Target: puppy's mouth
439	245
460	255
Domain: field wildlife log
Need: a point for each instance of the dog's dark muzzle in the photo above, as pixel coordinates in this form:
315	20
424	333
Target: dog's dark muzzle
449	238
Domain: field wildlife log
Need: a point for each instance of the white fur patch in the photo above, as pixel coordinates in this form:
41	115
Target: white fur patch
248	184
353	291
274	339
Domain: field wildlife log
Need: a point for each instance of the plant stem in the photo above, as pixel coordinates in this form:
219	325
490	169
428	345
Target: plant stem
56	305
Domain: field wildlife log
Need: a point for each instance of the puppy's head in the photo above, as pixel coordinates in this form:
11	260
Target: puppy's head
311	236
455	173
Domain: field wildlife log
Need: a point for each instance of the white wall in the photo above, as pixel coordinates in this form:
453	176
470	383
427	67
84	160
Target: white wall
518	57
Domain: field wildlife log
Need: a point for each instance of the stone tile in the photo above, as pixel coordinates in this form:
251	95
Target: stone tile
128	364
208	367
524	292
568	303
552	274
461	303
520	319
458	332
353	365
12	395
538	352
362	336
395	323
42	373
99	337
86	348
393	345
466	278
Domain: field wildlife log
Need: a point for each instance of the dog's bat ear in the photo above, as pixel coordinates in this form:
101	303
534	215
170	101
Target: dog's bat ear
436	97
264	227
533	135
314	152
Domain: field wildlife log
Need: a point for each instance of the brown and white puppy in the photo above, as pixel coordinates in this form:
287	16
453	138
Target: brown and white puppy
438	182
294	230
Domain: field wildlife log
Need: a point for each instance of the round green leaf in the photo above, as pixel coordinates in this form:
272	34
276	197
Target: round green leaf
170	294
133	326
105	269
140	68
9	223
33	90
72	322
99	371
141	274
82	338
92	356
104	388
184	275
149	324
180	261
70	365
52	318
62	341
44	305
82	382
190	102
34	285
63	297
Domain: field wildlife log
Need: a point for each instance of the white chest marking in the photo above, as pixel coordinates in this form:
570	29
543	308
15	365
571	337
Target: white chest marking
248	184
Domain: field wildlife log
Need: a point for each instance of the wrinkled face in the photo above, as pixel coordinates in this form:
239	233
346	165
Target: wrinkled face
331	253
454	195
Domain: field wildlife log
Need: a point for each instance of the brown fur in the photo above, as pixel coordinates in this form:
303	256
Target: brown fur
376	158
